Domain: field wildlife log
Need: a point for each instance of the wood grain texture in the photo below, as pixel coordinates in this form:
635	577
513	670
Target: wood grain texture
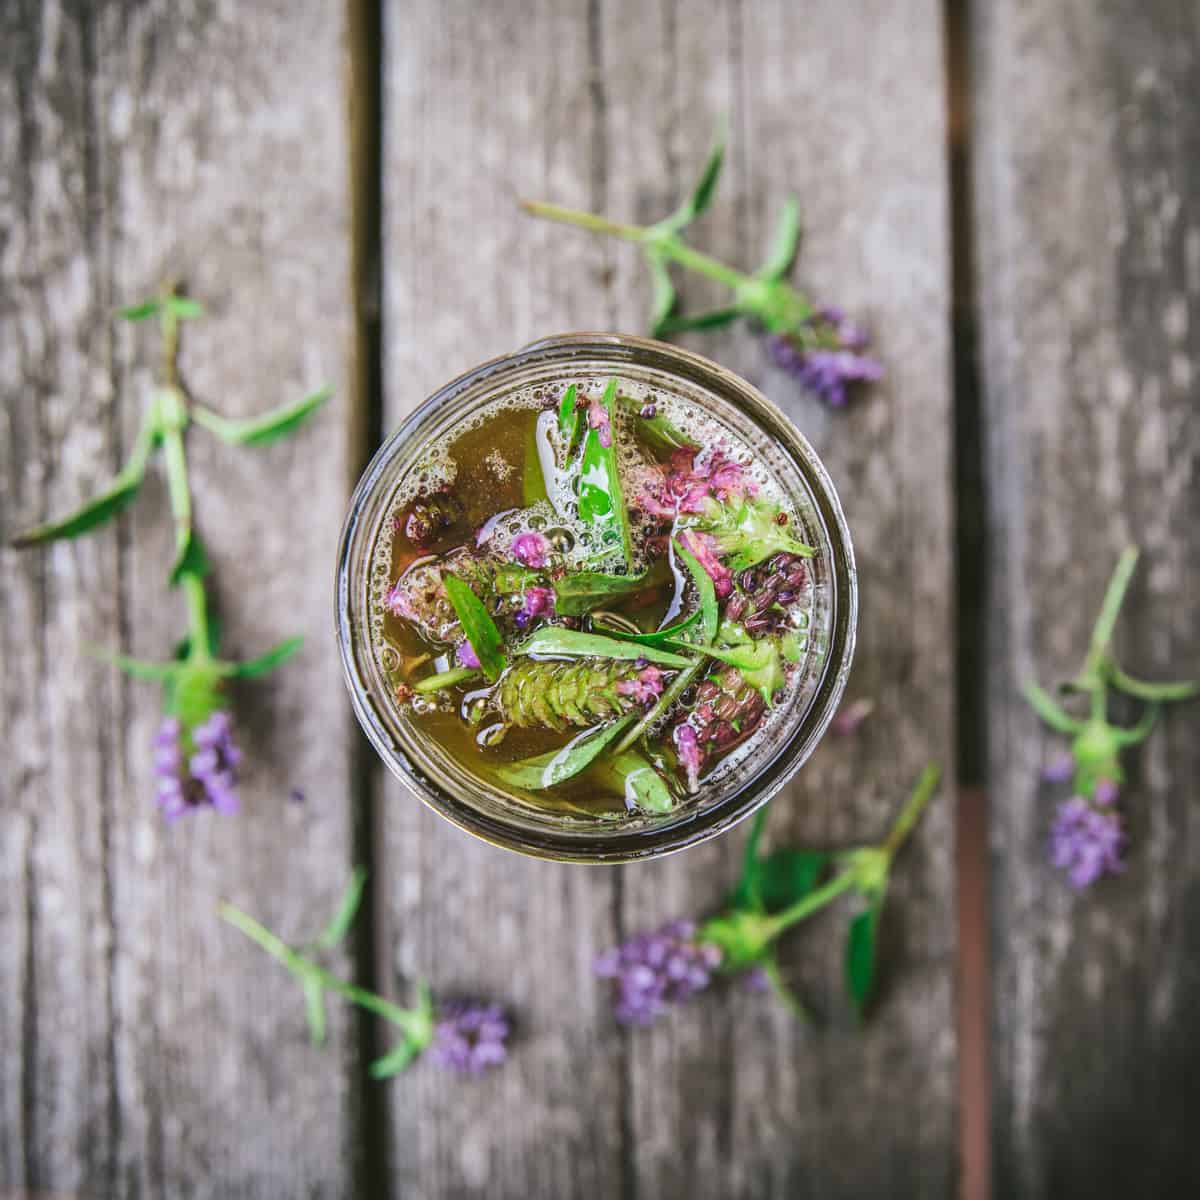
1088	226
148	1049
610	105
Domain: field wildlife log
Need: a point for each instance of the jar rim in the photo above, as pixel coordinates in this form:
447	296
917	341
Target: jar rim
622	842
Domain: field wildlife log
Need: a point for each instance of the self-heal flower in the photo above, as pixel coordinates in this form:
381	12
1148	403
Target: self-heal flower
531	550
469	1038
465	655
1085	842
651	971
704	549
535	602
598	420
210	777
826	355
689	480
645	687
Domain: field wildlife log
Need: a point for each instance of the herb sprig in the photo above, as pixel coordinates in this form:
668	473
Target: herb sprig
823	349
1088	836
195	754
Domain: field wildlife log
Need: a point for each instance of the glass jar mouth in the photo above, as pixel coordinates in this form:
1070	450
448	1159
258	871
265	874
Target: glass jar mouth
545	834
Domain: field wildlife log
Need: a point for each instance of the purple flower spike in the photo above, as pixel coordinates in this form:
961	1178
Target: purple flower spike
1105	792
469	1038
210	777
1060	769
653	970
530	550
1085	842
645	688
826	355
535	602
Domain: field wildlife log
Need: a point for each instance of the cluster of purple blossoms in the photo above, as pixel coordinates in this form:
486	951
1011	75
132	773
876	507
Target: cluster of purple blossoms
535	602
836	361
645	687
653	970
531	550
470	1037
689	479
1086	840
210	776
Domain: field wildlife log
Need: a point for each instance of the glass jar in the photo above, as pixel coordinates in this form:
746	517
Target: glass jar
786	741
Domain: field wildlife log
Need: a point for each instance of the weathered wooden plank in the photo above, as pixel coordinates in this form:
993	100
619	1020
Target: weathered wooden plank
731	1097
485	103
1088	229
148	1048
613	106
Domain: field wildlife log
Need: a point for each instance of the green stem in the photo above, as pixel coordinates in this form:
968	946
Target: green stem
304	968
807	905
678	685
1184	690
1113	598
197	609
585	220
703	264
911	812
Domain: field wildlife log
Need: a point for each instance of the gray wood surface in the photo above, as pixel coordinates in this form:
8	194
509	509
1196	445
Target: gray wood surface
147	1048
611	105
1088	218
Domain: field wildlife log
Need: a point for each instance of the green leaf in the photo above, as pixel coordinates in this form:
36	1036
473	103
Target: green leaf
659	636
861	956
784	243
479	627
702	194
190	558
314	1009
601	503
709	612
748	531
575	595
138	668
758	661
257	431
770	968
570	643
111	501
450	678
265	662
395	1060
1153	692
788	875
346	911
664	292
183	307
1046	708
716	318
632	774
533	482
555	766
660	433
570	420
140	312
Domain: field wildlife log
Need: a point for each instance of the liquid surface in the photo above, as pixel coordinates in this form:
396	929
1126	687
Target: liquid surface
576	528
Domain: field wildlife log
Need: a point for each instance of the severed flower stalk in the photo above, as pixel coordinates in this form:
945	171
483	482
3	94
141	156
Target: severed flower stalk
819	346
1087	838
195	754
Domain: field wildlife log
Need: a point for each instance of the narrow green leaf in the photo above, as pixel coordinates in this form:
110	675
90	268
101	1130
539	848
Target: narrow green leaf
659	636
533	482
479	627
555	766
347	910
660	433
183	307
314	1009
601	502
709	612
137	668
1154	692
789	875
258	431
395	1060
1046	708
570	643
120	492
861	956
140	312
784	243
783	993
450	678
664	291
265	662
716	318
190	558
1139	732
570	420
702	193
575	595
633	775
